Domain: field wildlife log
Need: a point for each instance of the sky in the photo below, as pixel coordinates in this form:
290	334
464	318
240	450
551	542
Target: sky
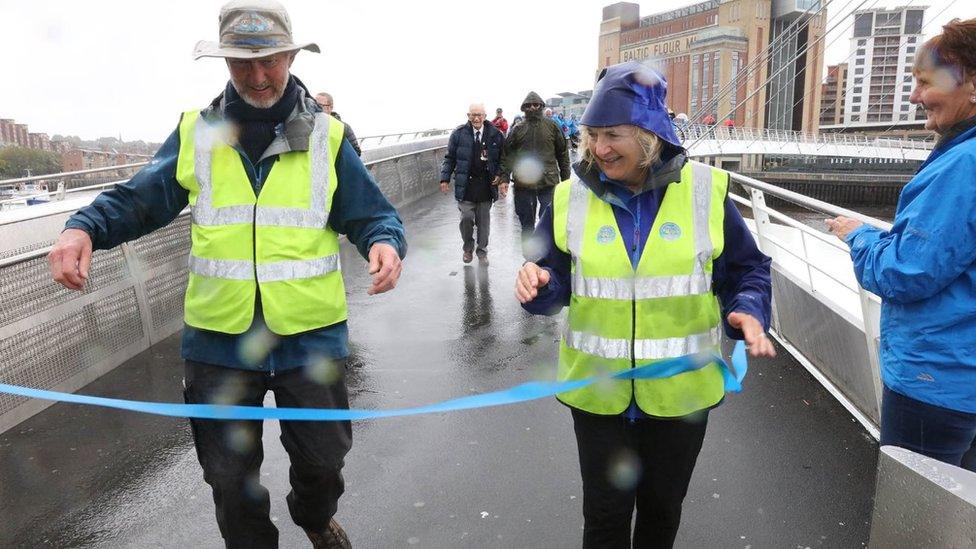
124	68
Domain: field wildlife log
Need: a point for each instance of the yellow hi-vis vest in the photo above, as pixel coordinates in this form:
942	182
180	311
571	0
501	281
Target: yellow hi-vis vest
620	317
278	243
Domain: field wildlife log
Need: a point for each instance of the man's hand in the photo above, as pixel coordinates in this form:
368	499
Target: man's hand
530	278
841	226
444	187
385	266
756	340
70	258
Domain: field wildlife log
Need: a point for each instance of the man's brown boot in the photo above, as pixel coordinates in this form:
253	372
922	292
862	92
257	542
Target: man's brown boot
333	537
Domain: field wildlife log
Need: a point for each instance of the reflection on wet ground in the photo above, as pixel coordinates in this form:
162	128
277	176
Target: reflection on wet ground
783	464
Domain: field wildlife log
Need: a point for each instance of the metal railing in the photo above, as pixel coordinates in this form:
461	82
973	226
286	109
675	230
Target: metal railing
60	193
836	336
697	132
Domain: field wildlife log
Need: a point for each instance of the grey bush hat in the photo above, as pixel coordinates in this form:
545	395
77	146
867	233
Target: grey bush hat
250	29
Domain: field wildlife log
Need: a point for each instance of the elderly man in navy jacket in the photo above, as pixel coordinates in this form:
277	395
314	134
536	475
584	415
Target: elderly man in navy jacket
474	158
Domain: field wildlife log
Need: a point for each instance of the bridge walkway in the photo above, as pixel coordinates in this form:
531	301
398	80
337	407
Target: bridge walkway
783	464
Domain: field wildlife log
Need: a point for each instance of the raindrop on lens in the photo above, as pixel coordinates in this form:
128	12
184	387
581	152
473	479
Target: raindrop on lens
624	470
528	170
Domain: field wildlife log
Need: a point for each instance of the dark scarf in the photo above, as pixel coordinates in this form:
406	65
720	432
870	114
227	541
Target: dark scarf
257	126
955	130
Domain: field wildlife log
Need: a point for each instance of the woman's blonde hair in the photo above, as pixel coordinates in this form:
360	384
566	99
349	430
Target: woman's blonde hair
650	143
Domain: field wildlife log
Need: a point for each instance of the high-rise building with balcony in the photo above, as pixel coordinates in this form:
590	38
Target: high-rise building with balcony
832	99
880	73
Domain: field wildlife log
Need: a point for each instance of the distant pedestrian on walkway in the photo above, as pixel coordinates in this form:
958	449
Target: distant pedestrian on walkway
500	122
653	260
271	184
473	159
924	268
326	102
535	159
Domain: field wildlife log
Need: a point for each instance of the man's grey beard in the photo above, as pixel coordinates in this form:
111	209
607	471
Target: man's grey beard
259	104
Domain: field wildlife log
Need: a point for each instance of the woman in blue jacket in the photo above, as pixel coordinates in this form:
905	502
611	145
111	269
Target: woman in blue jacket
924	268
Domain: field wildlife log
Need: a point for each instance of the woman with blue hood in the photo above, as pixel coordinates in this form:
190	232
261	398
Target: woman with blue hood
653	259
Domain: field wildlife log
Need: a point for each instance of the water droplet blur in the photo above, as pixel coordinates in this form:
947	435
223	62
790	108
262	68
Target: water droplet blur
255	346
528	170
624	470
322	371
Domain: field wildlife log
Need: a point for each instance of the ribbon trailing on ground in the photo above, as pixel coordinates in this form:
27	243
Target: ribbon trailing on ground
525	392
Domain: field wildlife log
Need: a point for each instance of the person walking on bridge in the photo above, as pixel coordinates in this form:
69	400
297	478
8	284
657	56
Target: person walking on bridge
271	184
924	268
499	121
473	159
326	102
653	259
535	159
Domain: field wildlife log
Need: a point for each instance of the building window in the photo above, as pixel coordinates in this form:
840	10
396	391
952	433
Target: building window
860	52
863	23
911	39
858	90
902	117
904	108
906	89
910	49
908	78
861	43
910	59
855	108
859	61
859	71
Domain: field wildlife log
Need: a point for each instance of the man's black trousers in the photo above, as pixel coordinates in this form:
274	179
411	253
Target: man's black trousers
230	452
645	463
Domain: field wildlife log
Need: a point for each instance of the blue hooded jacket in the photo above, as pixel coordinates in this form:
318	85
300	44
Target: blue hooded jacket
923	269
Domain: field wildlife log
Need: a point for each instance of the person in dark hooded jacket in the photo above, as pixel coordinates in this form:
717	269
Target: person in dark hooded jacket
536	159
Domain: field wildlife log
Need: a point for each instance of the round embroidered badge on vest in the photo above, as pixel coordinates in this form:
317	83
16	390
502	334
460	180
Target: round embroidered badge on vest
606	234
670	231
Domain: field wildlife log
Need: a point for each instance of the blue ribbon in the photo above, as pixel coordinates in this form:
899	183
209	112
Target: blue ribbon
520	393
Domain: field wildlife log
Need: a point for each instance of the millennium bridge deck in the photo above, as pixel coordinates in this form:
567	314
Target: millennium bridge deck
783	464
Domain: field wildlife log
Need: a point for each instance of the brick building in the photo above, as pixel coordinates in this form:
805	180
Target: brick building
704	50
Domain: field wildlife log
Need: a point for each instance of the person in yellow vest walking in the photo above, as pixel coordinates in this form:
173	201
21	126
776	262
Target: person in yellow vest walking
653	259
271	182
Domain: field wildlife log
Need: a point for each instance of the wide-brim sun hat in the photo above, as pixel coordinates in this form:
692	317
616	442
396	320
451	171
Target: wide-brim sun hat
250	29
631	93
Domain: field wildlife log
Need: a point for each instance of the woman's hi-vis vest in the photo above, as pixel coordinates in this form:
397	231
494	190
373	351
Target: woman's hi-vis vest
620	318
278	243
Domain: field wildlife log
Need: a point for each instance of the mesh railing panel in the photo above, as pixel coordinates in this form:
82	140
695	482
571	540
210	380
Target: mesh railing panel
54	351
27	288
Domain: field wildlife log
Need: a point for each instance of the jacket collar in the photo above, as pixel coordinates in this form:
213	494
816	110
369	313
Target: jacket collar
292	135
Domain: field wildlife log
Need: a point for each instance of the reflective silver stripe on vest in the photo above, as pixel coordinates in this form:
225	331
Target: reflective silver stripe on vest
579	202
293	270
316	216
699	282
231	269
647	287
203	212
644	349
701	176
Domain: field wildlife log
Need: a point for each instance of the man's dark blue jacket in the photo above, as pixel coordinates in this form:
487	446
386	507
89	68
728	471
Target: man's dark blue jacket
153	198
458	159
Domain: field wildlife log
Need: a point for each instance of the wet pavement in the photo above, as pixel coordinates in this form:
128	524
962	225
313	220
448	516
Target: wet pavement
783	464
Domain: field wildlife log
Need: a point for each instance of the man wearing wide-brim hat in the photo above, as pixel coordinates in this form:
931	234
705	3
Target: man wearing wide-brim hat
271	183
